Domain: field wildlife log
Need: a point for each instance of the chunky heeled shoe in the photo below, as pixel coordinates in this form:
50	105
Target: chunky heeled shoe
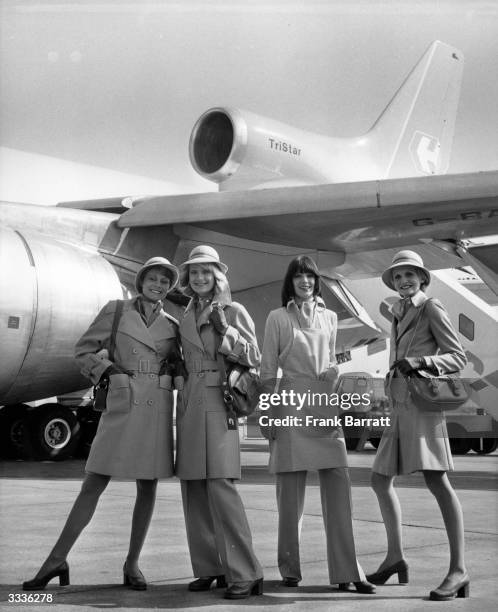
137	583
381	576
290	582
204	583
362	586
40	582
241	590
461	589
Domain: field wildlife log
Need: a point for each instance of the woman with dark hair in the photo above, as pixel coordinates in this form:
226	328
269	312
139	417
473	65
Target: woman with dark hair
422	340
134	439
213	329
300	339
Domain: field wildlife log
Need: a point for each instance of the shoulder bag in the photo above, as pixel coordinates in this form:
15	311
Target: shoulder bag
432	393
101	388
241	386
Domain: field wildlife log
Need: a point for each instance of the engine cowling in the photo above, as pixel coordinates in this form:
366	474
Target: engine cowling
241	150
49	294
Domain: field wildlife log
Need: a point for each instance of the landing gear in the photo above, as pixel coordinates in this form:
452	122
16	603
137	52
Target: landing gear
53	432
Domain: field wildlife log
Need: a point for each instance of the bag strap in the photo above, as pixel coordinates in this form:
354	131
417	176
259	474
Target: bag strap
115	322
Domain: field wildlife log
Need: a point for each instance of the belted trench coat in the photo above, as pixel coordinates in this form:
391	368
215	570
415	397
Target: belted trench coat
417	440
135	435
206	448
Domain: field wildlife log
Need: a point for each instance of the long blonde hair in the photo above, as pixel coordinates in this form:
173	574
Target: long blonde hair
221	285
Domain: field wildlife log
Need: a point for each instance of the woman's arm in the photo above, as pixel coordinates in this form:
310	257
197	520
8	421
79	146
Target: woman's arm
239	342
271	352
93	341
451	357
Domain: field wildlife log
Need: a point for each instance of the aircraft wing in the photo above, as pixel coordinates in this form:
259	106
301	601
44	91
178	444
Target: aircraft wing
345	217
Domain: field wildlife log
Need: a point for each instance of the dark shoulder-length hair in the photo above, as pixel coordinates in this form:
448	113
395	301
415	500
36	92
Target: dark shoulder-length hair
299	265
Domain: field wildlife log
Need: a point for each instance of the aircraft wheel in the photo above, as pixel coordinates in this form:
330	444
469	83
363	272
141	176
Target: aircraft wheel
483	446
12	436
460	446
54	432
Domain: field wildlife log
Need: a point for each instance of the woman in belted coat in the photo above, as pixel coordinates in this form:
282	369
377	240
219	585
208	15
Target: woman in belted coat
300	339
134	438
422	338
214	332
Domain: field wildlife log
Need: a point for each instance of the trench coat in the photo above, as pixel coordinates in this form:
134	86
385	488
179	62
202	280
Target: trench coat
206	448
306	356
417	440
134	438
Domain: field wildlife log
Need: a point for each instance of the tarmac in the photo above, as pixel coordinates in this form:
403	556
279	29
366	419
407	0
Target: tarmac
36	498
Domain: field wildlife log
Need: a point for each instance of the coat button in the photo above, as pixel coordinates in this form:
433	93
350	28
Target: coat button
134	351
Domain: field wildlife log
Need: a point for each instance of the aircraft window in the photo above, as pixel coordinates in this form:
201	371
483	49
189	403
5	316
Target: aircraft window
466	326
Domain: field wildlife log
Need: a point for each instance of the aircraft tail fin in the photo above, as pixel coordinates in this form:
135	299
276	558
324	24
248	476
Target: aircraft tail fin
414	133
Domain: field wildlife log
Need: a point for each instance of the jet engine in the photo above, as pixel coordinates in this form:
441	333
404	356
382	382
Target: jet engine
49	293
241	150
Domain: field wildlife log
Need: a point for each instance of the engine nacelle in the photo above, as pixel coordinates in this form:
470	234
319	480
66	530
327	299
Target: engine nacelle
241	150
49	294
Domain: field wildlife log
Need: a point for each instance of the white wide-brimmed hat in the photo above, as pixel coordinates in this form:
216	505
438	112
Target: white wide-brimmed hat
405	258
204	254
157	262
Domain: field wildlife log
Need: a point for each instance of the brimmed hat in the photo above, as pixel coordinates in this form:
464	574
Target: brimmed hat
156	262
405	258
204	254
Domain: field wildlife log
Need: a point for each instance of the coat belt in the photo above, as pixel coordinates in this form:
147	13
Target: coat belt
201	365
142	365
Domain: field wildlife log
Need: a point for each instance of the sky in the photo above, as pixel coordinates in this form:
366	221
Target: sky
119	85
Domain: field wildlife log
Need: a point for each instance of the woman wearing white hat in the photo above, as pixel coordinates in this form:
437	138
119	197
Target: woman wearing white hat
422	338
134	438
208	454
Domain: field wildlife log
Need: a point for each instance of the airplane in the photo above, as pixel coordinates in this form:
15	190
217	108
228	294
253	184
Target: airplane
350	203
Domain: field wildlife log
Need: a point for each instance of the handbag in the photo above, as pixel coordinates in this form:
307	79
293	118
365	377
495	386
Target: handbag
102	387
241	386
437	393
432	393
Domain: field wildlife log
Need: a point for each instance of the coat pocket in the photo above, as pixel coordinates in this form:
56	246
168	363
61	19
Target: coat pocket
118	396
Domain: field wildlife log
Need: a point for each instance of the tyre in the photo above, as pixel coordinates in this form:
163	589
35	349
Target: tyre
459	440
53	432
460	446
483	446
12	435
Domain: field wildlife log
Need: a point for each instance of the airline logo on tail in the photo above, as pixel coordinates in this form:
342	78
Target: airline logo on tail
425	150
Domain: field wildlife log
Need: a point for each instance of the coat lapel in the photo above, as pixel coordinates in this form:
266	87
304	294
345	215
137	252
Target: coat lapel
163	327
412	315
133	326
188	328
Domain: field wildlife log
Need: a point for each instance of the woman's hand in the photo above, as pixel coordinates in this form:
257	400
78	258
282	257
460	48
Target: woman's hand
409	364
218	318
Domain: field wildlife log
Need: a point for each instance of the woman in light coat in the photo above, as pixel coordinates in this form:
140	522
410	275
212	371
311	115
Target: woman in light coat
214	332
422	338
134	438
300	339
